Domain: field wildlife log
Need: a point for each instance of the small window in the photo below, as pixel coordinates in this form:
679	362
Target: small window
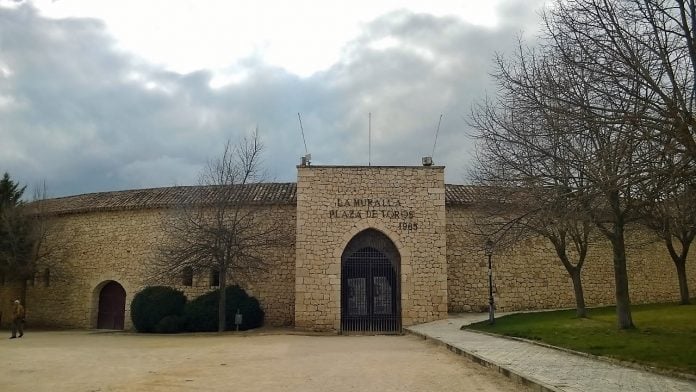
47	277
187	276
31	281
214	278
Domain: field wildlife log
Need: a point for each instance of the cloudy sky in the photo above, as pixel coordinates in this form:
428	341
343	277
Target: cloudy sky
99	95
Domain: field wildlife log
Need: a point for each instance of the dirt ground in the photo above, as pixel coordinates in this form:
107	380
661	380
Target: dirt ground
99	361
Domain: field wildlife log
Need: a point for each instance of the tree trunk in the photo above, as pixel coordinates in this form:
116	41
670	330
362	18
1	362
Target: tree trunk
680	263
580	309
683	284
222	304
623	300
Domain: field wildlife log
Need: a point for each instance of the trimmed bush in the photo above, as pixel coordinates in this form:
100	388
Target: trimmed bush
252	315
153	304
171	324
202	313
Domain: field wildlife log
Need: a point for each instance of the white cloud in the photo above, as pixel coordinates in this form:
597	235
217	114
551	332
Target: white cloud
94	117
301	36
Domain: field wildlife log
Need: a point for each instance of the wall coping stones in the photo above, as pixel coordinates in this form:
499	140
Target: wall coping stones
250	194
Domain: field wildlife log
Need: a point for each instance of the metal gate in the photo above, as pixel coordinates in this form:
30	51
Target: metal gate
370	284
112	306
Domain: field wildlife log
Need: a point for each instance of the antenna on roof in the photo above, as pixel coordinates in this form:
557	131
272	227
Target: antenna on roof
302	131
306	159
437	132
369	139
428	161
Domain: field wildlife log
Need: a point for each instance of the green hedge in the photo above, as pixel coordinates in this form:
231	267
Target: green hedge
171	324
153	304
162	309
202	313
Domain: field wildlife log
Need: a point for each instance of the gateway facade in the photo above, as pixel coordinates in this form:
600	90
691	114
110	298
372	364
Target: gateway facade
371	247
376	248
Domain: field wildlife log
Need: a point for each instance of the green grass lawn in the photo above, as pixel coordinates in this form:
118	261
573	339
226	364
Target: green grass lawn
665	334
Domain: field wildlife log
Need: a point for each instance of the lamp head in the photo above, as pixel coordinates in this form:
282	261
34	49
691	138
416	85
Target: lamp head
488	247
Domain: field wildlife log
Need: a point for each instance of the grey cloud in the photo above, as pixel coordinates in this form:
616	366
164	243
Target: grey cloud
80	114
443	67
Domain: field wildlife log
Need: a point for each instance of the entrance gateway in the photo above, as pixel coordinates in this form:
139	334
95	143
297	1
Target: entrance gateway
370	249
370	289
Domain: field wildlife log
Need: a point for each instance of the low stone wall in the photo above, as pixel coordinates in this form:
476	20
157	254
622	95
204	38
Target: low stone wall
530	276
121	246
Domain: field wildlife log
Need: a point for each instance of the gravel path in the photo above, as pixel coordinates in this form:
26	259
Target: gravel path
98	361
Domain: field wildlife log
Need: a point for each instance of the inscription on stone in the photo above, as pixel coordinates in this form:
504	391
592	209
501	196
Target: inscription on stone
366	207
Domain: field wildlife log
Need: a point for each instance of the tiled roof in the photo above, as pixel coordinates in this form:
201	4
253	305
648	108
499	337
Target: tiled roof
461	194
264	193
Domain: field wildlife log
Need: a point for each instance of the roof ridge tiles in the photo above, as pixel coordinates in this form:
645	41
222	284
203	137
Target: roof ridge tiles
256	193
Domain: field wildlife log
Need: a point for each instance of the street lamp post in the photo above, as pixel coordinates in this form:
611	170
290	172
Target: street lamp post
491	305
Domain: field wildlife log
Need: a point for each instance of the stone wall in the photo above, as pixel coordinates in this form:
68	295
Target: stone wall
442	265
100	247
530	276
334	204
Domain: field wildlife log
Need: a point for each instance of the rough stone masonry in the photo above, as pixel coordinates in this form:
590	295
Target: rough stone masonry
114	237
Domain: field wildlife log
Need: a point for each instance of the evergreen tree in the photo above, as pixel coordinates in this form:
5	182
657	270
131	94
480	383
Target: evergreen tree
23	234
10	192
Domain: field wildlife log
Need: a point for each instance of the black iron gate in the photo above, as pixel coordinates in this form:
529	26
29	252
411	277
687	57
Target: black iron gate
370	289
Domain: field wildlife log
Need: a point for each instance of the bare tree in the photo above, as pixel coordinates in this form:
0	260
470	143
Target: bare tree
523	215
646	49
225	232
630	65
671	215
531	189
572	130
648	44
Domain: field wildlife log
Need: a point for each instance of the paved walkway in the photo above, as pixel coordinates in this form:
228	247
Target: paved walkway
548	368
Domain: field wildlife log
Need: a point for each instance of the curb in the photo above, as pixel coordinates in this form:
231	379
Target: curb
613	361
263	331
511	374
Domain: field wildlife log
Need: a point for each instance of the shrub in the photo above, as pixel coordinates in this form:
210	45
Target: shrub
252	314
171	324
202	312
153	304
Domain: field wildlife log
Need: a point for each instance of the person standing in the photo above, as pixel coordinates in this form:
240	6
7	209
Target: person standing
17	320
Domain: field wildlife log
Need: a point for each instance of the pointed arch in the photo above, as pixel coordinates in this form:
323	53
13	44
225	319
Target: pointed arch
371	284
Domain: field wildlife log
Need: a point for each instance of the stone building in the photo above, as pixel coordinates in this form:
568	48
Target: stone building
376	248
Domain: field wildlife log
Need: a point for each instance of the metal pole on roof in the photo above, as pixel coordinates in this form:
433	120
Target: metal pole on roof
302	130
369	139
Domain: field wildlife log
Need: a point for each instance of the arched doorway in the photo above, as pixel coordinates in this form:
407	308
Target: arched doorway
370	284
112	306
